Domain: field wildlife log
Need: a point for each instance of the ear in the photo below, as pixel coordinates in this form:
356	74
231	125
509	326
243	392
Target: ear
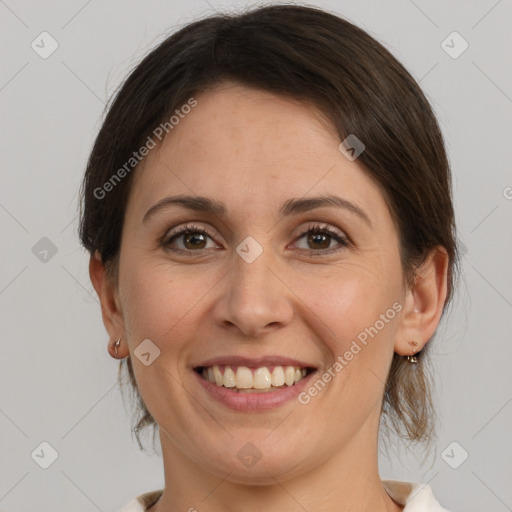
110	307
423	304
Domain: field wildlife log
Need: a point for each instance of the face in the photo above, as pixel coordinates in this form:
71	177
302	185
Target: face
252	286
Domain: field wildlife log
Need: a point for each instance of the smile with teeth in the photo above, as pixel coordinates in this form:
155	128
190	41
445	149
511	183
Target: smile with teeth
246	380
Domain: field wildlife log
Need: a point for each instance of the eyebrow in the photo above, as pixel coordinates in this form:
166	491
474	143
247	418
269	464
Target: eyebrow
288	208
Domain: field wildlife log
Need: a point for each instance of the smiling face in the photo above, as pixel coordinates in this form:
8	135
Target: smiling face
281	297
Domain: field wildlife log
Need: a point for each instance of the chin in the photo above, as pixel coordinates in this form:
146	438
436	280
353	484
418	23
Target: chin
251	465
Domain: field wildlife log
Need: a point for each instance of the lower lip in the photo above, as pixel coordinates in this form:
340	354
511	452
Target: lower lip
253	402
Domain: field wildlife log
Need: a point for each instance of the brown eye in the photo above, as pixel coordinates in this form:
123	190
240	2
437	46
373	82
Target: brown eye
322	241
319	239
193	238
196	240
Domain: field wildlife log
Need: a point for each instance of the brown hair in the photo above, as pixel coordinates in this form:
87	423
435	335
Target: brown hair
308	54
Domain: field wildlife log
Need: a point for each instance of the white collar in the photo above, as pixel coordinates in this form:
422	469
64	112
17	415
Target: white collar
416	497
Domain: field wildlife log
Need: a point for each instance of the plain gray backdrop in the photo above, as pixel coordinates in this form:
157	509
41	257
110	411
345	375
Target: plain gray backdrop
58	383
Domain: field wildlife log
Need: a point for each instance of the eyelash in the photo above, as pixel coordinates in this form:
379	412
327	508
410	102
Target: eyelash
311	229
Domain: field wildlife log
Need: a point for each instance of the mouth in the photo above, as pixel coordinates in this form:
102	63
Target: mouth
247	379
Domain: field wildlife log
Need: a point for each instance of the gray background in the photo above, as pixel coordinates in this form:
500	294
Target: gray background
57	381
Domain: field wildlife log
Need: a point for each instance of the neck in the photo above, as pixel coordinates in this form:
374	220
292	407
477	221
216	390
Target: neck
346	481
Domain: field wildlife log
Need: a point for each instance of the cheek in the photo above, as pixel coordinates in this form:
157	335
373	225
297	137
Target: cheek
352	300
155	301
358	319
163	300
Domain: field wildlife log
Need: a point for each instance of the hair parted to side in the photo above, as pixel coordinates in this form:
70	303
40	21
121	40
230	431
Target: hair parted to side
306	54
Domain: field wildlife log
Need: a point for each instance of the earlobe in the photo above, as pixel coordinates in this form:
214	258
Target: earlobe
424	303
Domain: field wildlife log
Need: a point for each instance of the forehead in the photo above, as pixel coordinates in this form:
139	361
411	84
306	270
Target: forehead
250	147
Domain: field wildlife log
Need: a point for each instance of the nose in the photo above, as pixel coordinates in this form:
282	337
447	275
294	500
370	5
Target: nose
255	298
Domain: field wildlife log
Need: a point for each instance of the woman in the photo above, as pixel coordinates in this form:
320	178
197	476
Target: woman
268	211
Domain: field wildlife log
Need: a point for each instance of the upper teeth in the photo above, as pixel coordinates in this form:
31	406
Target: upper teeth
262	378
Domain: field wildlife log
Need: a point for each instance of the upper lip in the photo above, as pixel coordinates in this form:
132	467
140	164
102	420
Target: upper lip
254	362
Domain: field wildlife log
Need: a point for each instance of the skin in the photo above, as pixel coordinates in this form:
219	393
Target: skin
254	150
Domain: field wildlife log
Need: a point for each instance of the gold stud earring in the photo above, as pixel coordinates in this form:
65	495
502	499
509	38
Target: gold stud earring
412	358
116	345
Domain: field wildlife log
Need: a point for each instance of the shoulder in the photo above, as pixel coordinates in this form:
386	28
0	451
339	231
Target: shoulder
142	502
416	497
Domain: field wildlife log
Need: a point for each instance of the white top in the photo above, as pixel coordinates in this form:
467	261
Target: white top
415	496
